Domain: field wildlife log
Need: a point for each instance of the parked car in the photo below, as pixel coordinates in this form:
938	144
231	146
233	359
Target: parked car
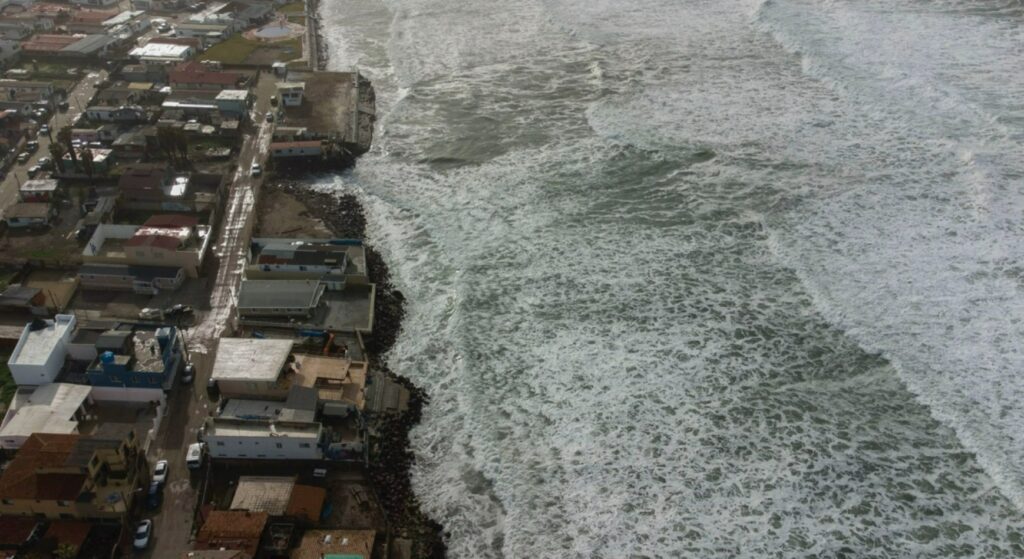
178	310
151	314
188	373
44	129
143	530
24	156
256	169
270	117
63	106
155	496
32	146
194	457
160	471
45	163
33	171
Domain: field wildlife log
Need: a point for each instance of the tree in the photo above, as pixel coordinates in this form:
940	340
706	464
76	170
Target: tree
165	137
87	163
57	153
65	551
64	137
181	142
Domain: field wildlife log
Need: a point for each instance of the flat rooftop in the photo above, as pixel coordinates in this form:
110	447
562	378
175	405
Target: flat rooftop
327	103
250	359
333	378
49	408
224	427
269	494
35	346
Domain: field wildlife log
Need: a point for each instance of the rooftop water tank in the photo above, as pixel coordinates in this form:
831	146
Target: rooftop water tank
107	357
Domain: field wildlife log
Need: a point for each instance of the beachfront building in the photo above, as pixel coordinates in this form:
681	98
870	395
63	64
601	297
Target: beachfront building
253	368
334	262
136	363
162	53
229	438
279	298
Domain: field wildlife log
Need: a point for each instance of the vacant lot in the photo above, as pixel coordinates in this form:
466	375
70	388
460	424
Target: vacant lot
239	50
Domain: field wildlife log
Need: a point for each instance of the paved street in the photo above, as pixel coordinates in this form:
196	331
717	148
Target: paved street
188	408
78	99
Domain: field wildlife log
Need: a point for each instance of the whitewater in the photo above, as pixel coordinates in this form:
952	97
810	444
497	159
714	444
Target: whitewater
704	278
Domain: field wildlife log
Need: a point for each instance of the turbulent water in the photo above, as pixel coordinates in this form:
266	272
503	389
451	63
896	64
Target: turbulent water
705	278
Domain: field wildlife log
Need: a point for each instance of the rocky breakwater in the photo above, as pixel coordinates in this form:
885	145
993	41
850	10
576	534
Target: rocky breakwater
390	468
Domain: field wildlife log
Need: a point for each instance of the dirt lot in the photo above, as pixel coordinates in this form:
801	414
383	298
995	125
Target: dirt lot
281	215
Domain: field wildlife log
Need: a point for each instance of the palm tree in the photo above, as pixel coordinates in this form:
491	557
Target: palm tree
165	136
57	153
65	551
64	137
87	163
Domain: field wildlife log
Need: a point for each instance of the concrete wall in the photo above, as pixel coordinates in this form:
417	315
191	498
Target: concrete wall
249	389
123	394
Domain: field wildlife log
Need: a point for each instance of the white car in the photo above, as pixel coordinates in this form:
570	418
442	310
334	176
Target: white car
143	530
160	472
256	169
194	457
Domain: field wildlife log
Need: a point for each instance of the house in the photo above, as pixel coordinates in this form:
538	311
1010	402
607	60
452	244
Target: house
13	127
279	496
66	476
228	529
130	145
89	21
308	148
327	544
51	408
335	262
38	190
39	354
153	186
138	361
100	163
252	367
195	75
71	46
162	53
209	34
234	103
123	113
174	241
291	93
28	214
15	30
95	3
20	297
229	438
29	91
17	533
214	553
290	298
146	280
143	73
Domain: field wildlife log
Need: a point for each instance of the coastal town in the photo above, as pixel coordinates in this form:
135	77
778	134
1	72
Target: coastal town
191	339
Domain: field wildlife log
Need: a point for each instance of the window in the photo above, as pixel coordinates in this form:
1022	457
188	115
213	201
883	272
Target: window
279	445
220	443
303	445
62	503
7	502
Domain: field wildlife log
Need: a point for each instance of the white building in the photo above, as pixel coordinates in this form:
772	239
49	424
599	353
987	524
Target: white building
162	53
228	438
252	367
291	93
40	353
52	408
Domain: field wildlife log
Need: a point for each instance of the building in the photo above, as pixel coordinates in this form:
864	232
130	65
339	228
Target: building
145	280
162	53
234	103
289	298
71	476
153	186
209	34
136	362
54	408
229	529
95	3
279	496
70	46
38	190
335	544
24	215
89	21
24	90
41	349
198	76
17	533
229	438
335	262
214	553
252	367
23	297
291	93
174	241
308	148
123	113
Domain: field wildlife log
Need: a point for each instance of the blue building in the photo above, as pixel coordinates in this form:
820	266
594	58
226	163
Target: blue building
137	357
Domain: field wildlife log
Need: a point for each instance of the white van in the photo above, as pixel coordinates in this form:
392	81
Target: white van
194	458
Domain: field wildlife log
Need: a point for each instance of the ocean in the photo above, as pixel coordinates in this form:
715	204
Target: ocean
711	278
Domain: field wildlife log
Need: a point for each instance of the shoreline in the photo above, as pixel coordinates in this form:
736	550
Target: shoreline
344	217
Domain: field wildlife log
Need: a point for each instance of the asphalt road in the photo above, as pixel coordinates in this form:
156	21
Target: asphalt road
189	406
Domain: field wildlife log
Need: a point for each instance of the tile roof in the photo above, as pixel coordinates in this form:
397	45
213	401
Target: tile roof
162	241
22	479
233	524
195	72
306	501
68	532
171	220
14	530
